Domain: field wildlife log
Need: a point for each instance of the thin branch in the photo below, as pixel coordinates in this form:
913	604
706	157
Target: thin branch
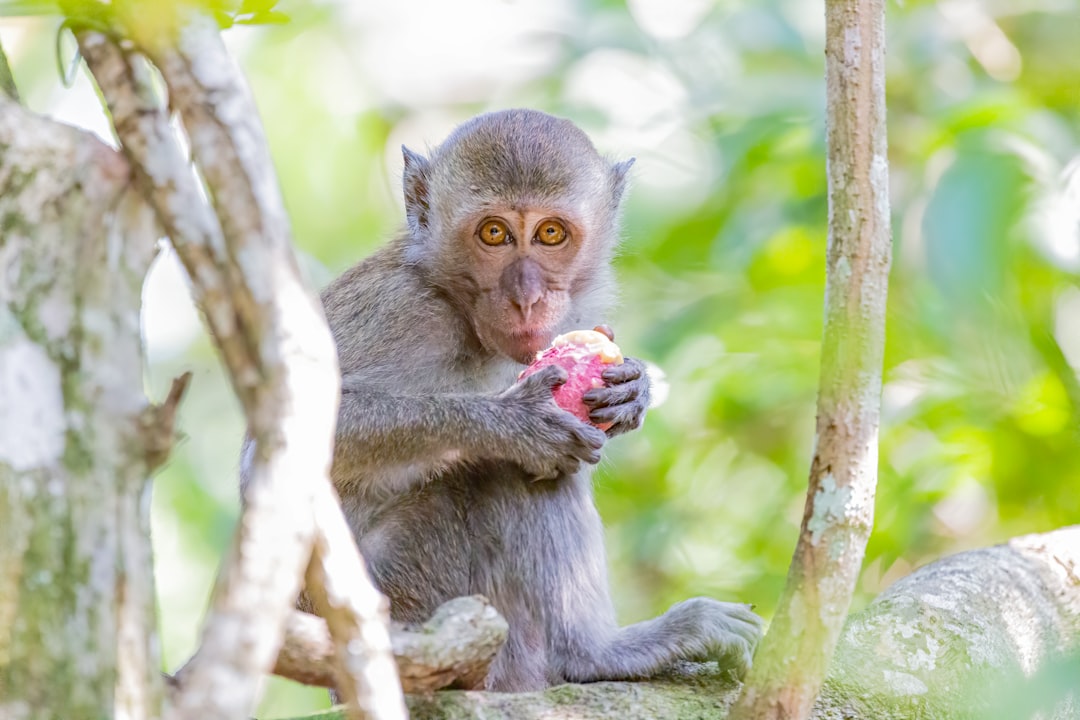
159	424
356	613
790	665
226	136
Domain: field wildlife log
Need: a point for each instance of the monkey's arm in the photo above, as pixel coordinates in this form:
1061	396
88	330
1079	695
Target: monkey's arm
380	430
624	400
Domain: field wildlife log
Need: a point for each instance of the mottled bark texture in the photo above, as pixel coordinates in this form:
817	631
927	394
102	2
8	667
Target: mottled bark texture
971	636
791	663
77	623
280	357
455	647
991	634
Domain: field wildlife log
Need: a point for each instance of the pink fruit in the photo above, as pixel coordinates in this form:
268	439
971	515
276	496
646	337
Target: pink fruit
584	354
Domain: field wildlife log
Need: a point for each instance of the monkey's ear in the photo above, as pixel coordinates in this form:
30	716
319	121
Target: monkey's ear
619	176
415	184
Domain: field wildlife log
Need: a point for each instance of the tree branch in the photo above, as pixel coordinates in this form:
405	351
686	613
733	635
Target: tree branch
356	613
455	647
77	621
280	357
790	665
159	424
982	635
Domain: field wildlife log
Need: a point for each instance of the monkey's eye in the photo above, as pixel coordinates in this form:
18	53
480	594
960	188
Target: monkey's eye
550	232
495	232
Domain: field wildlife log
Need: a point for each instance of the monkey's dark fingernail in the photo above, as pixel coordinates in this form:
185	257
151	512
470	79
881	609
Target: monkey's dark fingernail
605	330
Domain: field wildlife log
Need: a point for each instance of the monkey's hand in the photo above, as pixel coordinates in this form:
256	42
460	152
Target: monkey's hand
623	401
544	439
724	631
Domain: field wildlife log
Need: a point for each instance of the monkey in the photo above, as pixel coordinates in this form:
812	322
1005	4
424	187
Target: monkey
458	480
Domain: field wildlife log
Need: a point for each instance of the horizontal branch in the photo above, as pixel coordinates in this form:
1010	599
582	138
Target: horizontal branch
454	647
982	634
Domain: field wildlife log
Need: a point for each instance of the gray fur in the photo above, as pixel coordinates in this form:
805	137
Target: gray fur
455	479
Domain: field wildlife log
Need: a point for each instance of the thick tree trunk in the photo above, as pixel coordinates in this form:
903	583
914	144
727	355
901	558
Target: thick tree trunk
77	623
990	633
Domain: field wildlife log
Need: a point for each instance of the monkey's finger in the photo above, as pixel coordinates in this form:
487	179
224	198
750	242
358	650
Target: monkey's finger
628	416
586	440
630	369
745	661
613	395
550	376
606	331
567	467
600	416
750	632
733	655
747	626
591	437
589	455
743	612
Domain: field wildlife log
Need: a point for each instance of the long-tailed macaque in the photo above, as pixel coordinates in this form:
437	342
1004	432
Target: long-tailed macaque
455	478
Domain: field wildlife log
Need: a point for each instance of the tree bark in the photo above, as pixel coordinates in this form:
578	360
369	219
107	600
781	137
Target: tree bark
281	360
986	634
455	647
791	663
77	622
964	637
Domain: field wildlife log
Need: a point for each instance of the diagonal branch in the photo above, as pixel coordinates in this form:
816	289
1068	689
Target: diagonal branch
356	613
277	348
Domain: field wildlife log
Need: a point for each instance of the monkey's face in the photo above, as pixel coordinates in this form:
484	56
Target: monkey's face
515	219
525	263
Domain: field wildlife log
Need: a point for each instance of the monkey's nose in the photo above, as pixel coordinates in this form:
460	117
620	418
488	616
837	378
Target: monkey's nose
525	305
523	284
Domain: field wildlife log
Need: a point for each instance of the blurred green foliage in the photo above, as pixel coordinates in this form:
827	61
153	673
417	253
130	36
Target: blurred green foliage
722	101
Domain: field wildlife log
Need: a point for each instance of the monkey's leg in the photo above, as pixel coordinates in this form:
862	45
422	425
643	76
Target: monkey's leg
587	644
696	629
521	664
417	550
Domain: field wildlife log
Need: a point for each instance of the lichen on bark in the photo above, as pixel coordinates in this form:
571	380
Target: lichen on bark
76	615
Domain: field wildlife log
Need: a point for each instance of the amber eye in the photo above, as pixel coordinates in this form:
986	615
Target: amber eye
550	232
495	232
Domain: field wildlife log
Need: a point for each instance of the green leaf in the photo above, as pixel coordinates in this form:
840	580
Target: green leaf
255	7
26	8
224	20
265	18
971	216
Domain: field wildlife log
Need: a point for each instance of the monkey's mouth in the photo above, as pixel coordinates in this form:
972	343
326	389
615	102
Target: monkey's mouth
522	345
